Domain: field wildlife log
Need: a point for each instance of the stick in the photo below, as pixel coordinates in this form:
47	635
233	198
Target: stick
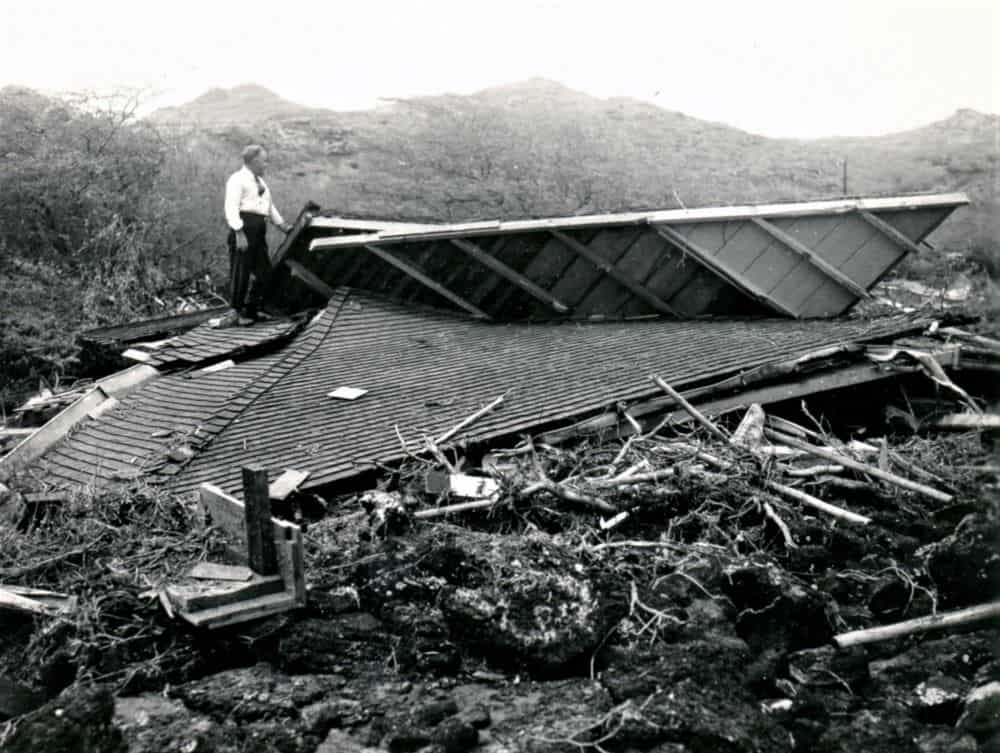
919	625
635	478
790	427
570	496
470	420
890	478
438	512
714	430
813	470
782	526
638	545
811	501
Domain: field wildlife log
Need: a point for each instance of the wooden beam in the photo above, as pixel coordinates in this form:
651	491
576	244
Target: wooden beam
890	232
511	275
706	260
301	223
261	552
623	279
423	279
809	255
309	278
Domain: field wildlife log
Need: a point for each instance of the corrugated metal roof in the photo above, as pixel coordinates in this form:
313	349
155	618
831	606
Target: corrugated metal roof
426	370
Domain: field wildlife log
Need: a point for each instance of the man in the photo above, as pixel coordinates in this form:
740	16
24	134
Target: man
248	208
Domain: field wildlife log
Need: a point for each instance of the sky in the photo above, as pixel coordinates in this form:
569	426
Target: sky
801	69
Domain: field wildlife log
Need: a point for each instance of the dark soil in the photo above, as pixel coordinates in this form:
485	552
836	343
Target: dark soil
522	630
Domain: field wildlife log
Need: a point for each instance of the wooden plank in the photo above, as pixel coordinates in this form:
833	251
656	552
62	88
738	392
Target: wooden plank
286	483
510	275
193	596
244	611
219	571
55	429
261	554
672	236
303	221
228	514
890	232
420	277
310	279
810	256
701	214
622	278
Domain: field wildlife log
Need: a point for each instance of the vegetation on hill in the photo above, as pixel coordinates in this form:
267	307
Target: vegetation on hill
104	216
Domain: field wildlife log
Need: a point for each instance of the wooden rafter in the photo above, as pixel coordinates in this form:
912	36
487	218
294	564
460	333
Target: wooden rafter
423	279
809	255
890	232
619	276
511	275
309	278
705	258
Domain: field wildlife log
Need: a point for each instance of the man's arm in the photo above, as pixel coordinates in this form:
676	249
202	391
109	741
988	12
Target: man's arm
233	203
277	219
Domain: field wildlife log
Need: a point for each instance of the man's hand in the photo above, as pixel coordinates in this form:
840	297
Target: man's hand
241	241
286	228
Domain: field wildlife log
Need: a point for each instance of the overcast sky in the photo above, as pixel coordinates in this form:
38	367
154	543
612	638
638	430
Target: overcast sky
801	69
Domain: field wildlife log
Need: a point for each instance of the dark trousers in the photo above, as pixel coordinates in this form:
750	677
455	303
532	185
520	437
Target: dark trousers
249	270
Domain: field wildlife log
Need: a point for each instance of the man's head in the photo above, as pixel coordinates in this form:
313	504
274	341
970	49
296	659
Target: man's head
255	158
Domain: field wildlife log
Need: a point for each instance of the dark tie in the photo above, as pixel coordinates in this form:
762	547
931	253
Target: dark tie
260	185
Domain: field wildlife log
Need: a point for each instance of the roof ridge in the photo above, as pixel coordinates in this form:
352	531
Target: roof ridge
238	405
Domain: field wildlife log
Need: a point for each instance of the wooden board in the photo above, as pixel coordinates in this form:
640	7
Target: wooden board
228	514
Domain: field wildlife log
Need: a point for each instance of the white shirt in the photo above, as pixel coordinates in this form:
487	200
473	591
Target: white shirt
243	195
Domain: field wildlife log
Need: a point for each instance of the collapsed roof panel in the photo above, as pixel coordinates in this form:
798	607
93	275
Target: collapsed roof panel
426	370
801	260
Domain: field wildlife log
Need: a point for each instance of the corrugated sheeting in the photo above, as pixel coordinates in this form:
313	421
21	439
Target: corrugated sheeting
426	370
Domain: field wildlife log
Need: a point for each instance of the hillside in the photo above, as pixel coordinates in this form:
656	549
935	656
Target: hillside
538	148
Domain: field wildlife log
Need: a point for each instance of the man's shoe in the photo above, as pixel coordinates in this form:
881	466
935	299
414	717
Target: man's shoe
245	321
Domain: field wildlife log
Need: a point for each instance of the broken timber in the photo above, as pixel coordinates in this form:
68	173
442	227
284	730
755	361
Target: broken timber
273	548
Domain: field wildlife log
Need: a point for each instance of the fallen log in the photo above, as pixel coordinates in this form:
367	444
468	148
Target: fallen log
956	618
964	421
847	462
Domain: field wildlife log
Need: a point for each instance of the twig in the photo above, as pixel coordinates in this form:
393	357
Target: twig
638	545
782	526
470	420
811	501
714	430
891	478
569	495
921	624
813	470
439	456
438	512
17	572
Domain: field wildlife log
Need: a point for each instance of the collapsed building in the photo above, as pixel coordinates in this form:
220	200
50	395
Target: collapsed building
395	332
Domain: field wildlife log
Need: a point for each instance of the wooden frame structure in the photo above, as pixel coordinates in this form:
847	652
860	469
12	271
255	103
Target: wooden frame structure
798	259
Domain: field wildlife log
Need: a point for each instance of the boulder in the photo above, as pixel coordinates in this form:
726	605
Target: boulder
79	720
966	564
981	714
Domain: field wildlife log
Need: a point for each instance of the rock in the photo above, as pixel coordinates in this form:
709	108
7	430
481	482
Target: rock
252	693
883	731
477	717
830	667
938	700
455	736
703	717
79	720
776	610
322	716
334	601
966	565
946	741
430	714
341	742
957	656
636	674
981	715
406	739
537	612
151	724
326	645
17	699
